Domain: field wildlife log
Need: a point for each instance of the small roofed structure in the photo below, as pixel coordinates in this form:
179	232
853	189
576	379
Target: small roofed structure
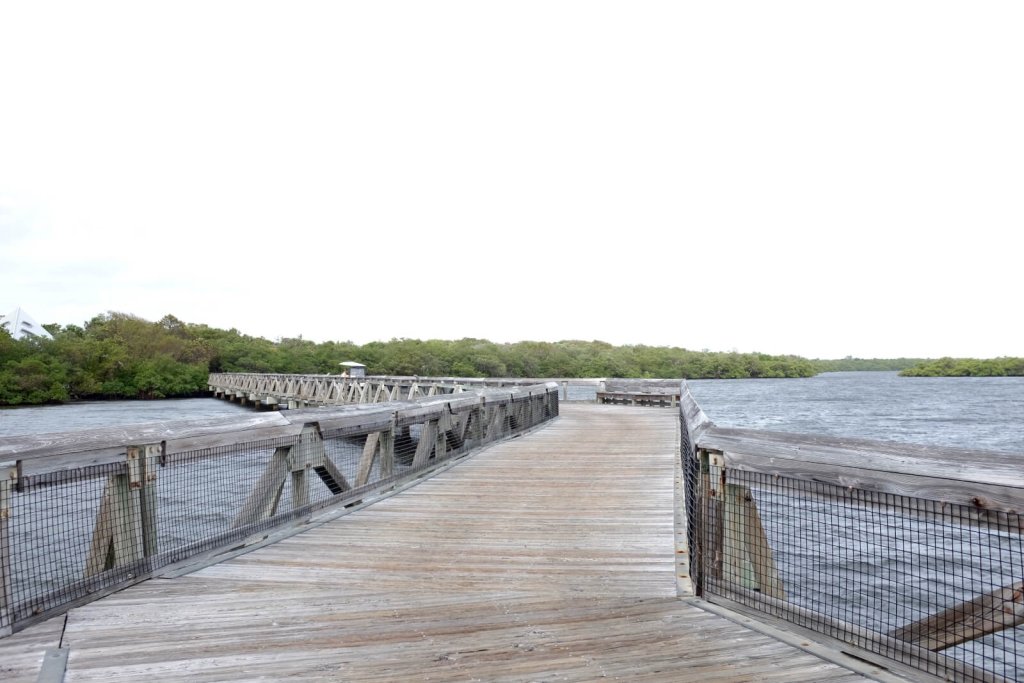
353	369
20	324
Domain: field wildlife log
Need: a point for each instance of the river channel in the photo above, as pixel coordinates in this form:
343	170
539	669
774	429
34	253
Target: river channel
966	412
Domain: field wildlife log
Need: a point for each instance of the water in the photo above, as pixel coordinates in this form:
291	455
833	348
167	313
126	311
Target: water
966	412
969	412
97	414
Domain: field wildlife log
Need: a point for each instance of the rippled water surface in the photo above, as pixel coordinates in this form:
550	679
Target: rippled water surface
965	412
97	414
968	412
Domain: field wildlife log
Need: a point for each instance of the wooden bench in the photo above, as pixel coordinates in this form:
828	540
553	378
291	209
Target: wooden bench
640	392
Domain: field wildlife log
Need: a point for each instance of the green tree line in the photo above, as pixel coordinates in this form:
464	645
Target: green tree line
867	364
967	367
117	355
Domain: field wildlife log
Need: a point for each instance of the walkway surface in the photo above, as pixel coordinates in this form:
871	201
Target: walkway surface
547	557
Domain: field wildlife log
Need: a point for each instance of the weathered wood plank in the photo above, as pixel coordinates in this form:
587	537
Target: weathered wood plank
958	464
262	501
148	456
983	496
370	450
425	446
748	557
996	611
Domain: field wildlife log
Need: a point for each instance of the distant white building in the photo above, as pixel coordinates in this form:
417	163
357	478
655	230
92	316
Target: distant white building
20	324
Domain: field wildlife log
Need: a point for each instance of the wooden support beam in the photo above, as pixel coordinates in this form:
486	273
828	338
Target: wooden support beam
496	423
262	502
370	450
117	531
99	557
331	476
300	487
310	454
747	557
428	439
461	425
992	612
480	415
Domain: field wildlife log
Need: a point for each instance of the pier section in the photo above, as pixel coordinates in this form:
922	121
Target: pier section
552	556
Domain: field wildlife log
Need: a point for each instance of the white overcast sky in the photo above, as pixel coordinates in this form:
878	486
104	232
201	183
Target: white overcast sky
818	178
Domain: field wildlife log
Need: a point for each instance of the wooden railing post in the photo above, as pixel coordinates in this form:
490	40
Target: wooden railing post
148	459
7	483
444	426
713	485
480	422
387	451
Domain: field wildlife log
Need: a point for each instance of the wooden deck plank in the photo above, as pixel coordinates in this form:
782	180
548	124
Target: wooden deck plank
550	556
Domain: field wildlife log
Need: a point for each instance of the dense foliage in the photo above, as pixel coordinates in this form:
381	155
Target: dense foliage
866	364
122	356
967	367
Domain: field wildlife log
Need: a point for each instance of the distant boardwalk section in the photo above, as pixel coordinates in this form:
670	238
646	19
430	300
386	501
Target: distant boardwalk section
276	391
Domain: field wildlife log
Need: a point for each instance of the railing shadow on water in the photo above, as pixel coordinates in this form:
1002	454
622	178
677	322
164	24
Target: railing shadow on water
909	556
86	513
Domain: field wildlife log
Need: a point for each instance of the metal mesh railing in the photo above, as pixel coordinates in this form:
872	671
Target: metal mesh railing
935	586
69	536
691	482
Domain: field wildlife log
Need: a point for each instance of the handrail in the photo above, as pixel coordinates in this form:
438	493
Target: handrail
298	390
902	551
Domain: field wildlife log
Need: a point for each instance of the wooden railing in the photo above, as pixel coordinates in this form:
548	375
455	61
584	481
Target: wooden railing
297	391
86	513
911	554
274	390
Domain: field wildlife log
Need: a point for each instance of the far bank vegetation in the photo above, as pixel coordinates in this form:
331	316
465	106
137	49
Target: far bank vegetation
118	356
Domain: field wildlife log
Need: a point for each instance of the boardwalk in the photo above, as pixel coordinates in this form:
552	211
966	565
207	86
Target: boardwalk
548	557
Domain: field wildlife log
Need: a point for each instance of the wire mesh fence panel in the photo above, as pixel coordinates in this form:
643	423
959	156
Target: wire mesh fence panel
691	482
202	496
933	585
69	533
